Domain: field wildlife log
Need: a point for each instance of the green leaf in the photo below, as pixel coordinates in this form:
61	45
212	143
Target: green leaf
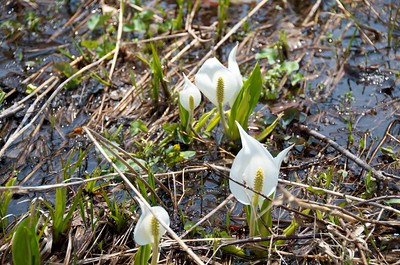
288	231
214	122
133	164
138	126
104	48
128	28
30	88
344	173
67	219
270	53
235	250
177	22
393	201
315	191
25	245
291	228
389	151
58	216
5	198
290	67
187	154
297	77
139	26
61	202
184	115
188	225
158	76
203	119
270	128
90	44
146	15
143	255
291	114
245	102
67	54
65	68
264	222
97	20
170	128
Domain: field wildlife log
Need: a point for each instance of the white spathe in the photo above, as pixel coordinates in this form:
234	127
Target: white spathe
251	158
189	90
143	233
212	70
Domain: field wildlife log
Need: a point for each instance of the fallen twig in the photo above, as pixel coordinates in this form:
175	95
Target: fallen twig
377	174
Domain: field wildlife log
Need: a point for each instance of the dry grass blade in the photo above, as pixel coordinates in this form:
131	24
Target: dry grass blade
119	36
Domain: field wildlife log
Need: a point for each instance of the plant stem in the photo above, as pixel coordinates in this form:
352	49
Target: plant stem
253	225
266	219
223	119
156	252
189	121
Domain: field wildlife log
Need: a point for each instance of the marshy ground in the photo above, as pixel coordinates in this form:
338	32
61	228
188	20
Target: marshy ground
88	96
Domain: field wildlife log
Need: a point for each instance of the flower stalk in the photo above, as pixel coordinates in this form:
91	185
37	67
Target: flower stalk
155	227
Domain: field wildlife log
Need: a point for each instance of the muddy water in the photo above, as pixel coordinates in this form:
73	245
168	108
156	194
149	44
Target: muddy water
335	59
369	74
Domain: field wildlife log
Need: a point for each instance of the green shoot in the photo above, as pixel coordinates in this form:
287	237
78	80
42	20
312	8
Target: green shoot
245	102
61	222
67	70
223	6
25	241
267	131
117	213
158	76
179	17
5	198
184	117
143	255
203	119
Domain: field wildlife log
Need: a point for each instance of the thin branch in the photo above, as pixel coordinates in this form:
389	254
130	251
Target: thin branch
344	151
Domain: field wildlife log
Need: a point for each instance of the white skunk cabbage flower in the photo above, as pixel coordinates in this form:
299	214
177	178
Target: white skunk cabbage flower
219	84
255	167
148	230
190	96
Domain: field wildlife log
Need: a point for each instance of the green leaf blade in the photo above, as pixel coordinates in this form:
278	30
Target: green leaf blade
245	102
